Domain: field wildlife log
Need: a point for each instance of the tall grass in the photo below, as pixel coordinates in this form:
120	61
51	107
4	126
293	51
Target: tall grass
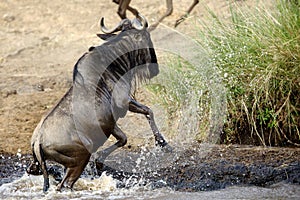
258	54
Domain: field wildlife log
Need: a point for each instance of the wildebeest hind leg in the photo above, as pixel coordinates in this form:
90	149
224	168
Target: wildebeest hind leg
72	174
136	107
101	156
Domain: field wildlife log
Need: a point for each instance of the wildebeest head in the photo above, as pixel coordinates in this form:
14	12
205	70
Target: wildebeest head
134	60
135	40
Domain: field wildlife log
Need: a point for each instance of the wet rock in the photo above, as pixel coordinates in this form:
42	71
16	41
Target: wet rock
291	173
262	175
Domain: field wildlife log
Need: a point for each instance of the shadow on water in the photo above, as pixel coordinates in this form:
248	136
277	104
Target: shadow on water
220	169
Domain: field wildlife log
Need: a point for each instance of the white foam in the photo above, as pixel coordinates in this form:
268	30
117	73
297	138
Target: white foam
31	187
105	187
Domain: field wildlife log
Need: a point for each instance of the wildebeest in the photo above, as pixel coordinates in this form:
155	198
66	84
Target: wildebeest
103	81
124	5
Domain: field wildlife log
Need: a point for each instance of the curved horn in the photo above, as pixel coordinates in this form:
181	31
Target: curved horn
137	24
106	30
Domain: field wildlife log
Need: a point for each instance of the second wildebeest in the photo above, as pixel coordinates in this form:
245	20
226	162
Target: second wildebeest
103	81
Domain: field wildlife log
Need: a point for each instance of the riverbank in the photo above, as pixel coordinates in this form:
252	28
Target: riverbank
197	168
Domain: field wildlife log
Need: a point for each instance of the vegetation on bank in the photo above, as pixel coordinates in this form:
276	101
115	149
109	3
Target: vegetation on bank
257	54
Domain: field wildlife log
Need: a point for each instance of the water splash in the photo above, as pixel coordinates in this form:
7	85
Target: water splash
30	187
105	187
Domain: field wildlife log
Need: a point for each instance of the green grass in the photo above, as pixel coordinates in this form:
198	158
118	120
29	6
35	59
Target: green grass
258	54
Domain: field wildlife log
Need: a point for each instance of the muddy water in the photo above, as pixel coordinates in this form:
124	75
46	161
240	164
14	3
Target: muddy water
199	172
30	187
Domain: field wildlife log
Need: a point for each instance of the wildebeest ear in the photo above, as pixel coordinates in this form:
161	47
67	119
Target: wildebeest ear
105	36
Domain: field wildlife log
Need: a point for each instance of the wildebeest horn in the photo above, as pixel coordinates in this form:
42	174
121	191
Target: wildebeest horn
106	30
137	24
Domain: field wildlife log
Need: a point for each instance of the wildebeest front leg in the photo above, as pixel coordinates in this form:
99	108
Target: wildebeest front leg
123	5
101	156
136	107
183	17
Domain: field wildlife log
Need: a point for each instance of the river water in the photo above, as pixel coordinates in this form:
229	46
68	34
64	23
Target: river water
192	169
105	187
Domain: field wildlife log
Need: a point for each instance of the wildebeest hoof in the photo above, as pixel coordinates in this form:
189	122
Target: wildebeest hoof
46	186
63	186
58	188
164	145
99	166
167	148
34	169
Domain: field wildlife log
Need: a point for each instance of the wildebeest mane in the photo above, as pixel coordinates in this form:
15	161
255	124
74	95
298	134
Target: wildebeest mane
75	70
132	66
